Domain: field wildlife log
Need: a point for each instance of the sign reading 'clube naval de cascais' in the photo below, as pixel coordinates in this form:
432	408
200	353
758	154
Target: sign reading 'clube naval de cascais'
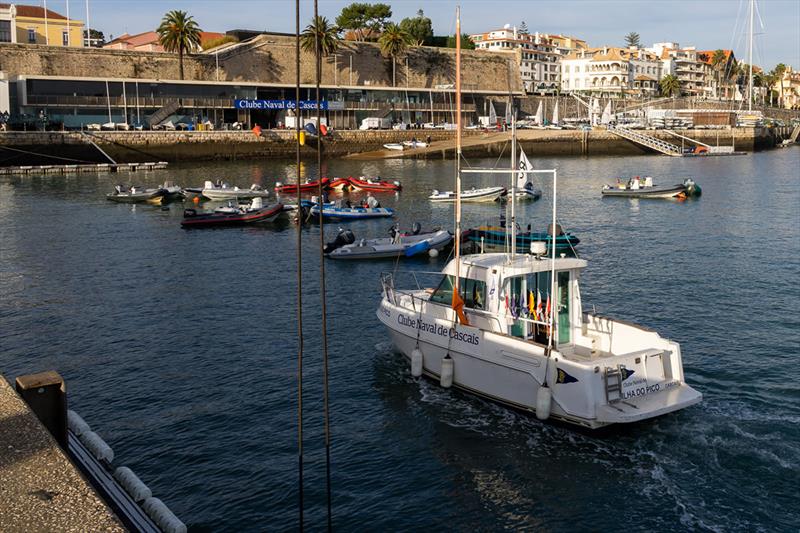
278	104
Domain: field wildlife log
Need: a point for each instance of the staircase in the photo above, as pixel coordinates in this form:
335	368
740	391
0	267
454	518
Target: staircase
613	382
795	133
647	141
164	112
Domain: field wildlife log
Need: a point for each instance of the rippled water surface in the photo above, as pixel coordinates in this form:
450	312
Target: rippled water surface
179	348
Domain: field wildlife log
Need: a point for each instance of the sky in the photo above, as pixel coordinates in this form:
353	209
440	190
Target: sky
706	24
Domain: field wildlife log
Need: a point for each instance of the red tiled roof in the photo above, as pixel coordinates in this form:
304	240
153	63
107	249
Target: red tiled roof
707	55
34	12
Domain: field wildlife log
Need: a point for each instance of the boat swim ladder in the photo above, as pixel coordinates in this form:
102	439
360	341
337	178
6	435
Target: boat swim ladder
612	378
646	140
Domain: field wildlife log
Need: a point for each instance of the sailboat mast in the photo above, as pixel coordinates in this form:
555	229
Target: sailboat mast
553	236
750	58
513	184
458	149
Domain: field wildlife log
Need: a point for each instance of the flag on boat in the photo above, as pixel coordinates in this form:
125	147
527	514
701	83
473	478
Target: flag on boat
524	164
547	310
539	306
564	377
532	305
458	306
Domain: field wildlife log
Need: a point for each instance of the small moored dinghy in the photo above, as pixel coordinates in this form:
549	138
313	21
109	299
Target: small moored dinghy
485	194
645	188
135	194
374	184
336	212
225	191
232	215
398	245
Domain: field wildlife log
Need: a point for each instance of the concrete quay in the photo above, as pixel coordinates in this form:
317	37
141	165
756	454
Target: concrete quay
570	142
50	148
40	489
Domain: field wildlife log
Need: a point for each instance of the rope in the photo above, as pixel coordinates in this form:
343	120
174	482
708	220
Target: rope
45	155
324	324
299	274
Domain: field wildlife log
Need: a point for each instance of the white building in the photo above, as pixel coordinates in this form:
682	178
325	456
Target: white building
536	55
611	71
694	75
8	23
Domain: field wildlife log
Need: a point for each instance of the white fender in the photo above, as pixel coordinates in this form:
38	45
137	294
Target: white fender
433	252
544	400
77	424
448	368
416	362
132	484
97	446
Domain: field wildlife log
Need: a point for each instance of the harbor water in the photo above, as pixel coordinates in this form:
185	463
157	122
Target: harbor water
179	348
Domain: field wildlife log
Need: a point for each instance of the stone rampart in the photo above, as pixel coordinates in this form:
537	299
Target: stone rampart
271	59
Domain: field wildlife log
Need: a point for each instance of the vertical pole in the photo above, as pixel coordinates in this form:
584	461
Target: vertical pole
69	37
553	266
108	102
351	70
458	151
750	59
88	26
138	119
46	30
299	272
324	324
216	59
124	103
513	184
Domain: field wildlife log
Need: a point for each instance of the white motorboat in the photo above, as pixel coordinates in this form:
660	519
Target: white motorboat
415	144
135	194
485	194
399	245
511	328
225	191
394	146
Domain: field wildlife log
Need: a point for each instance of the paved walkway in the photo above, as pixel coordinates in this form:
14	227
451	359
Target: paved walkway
40	489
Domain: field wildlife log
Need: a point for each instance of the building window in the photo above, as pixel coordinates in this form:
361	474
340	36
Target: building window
32	36
5	31
65	38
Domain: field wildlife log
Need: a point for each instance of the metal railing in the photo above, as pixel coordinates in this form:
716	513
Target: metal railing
646	140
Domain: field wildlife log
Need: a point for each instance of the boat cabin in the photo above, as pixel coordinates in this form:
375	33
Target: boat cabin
513	297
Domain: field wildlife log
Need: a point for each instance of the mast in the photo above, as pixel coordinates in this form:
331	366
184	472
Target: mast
750	58
513	184
458	148
552	298
458	302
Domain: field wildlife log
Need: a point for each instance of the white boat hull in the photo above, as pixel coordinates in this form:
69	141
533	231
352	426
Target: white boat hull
232	194
489	194
510	370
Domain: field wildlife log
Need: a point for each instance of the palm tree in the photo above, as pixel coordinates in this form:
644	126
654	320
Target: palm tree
327	34
670	85
393	42
779	70
179	33
717	60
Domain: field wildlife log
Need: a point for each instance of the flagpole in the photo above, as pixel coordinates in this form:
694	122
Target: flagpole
458	155
88	27
513	185
46	32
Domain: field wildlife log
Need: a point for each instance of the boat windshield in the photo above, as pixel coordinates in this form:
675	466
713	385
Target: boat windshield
472	291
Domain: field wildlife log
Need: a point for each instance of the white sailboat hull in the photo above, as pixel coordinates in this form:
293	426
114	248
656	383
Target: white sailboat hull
488	194
510	370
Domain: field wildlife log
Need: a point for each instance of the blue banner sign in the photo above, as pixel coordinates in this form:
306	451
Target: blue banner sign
278	104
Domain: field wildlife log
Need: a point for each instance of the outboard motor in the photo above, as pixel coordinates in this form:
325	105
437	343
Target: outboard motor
344	237
416	228
119	189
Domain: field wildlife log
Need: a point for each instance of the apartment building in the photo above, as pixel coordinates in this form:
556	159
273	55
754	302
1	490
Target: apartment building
720	77
611	71
26	24
536	54
693	74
